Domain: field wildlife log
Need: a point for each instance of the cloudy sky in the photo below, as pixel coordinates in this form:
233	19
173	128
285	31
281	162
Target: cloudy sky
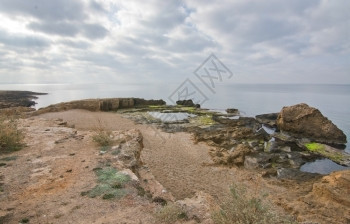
111	41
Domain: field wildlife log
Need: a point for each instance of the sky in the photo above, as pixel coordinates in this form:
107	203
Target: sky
157	41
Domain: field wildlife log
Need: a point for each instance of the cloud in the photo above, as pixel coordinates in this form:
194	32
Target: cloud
165	41
29	42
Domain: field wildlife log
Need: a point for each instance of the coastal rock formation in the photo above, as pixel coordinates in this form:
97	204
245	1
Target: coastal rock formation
188	103
232	111
108	104
303	121
267	119
328	201
17	98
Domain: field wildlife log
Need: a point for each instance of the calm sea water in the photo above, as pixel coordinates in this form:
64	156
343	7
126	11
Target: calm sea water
251	99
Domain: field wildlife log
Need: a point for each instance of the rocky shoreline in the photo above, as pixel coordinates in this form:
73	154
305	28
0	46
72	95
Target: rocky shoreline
18	98
271	146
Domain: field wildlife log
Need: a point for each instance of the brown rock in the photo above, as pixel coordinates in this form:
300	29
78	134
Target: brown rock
329	200
303	121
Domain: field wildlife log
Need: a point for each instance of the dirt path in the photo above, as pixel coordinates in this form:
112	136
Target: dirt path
176	162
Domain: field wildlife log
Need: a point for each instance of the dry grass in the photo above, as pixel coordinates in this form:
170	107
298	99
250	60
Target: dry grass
239	208
103	137
11	138
170	213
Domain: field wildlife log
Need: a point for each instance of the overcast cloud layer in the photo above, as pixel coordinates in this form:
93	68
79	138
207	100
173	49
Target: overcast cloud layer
110	41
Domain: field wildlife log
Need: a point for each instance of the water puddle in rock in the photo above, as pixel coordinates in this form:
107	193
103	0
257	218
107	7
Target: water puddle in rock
170	117
322	166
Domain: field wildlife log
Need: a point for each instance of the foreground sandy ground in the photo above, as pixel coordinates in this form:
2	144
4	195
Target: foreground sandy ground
46	179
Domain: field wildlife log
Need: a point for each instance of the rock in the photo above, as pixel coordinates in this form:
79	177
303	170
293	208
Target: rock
199	207
261	160
107	104
18	98
295	174
188	103
302	121
267	119
232	111
237	157
271	146
130	153
328	201
336	155
142	102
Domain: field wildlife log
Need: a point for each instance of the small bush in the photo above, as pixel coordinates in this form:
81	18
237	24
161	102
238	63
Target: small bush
170	213
241	209
103	138
11	138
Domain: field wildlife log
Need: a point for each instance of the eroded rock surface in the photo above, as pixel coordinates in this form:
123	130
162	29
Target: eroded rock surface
303	121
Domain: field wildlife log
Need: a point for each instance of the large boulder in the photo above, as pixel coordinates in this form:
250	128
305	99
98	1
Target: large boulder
303	121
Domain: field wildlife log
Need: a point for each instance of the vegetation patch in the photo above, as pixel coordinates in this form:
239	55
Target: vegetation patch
321	149
10	158
11	138
103	138
238	208
110	185
170	213
206	120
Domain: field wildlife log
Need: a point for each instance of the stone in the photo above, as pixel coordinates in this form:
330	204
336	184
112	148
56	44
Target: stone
271	146
267	119
199	207
303	121
232	111
188	103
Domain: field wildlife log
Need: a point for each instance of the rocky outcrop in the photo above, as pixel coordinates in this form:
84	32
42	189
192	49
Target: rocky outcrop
233	157
199	207
108	104
18	98
328	201
232	111
188	103
267	119
303	121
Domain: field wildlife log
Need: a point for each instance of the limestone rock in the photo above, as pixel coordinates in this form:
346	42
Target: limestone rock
303	121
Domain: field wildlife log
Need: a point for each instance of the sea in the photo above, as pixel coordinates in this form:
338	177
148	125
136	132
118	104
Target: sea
333	100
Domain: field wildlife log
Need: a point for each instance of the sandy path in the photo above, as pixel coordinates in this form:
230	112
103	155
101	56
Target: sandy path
174	159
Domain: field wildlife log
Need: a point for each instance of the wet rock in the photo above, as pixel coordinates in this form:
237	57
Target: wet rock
294	174
303	121
336	155
267	119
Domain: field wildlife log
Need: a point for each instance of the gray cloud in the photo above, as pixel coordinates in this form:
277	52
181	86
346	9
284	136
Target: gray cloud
23	41
94	31
166	40
58	28
46	10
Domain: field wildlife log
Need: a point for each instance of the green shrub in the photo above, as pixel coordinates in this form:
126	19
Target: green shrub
241	209
11	138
